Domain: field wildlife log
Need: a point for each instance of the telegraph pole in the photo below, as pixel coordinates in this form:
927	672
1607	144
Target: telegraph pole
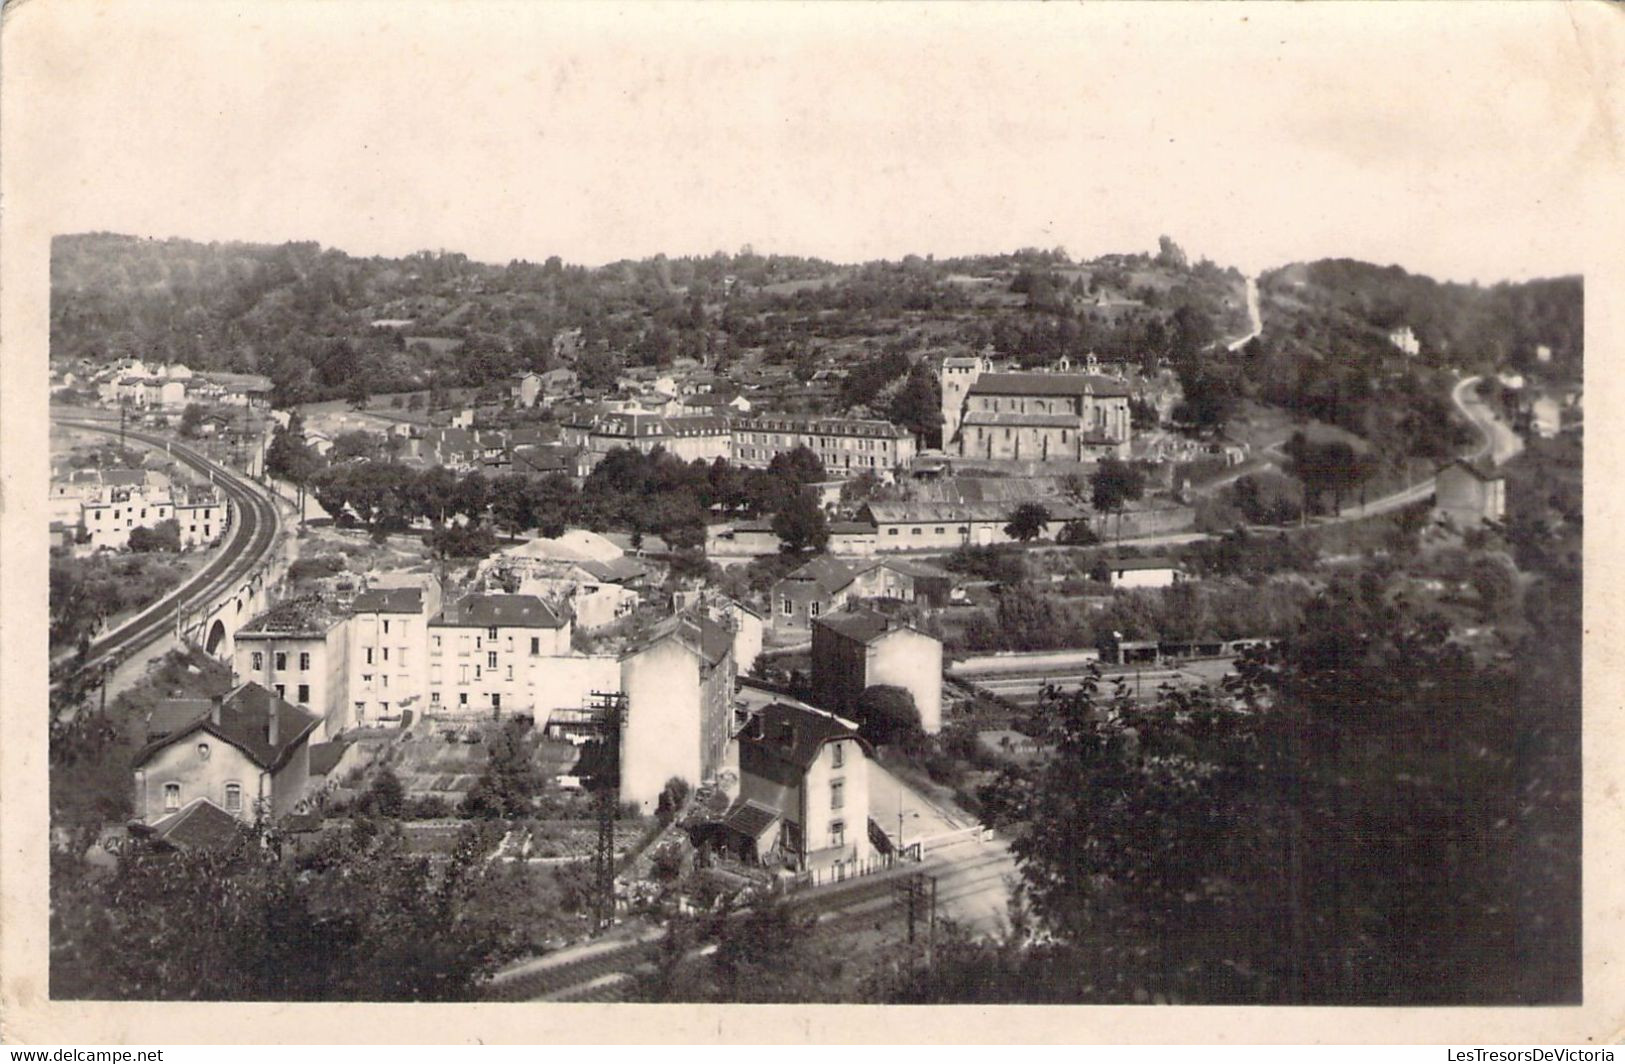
611	706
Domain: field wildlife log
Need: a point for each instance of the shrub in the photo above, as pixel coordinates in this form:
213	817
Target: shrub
887	714
672	797
164	536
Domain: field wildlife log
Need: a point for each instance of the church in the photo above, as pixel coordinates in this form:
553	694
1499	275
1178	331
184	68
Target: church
1050	416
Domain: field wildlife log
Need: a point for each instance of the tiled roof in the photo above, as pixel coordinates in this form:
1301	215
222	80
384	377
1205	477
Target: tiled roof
795	734
1014	420
705	637
201	825
820	426
751	819
947	512
829	575
244	723
499	611
307	615
616	569
389	600
325	756
1046	384
696	425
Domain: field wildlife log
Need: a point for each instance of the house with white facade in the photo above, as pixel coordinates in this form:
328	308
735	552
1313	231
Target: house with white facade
484	652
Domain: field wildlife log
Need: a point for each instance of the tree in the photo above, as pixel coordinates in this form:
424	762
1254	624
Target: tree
510	783
164	536
1027	522
1113	486
359	918
1496	584
191	420
887	714
358	392
917	405
288	456
384	796
801	525
511	500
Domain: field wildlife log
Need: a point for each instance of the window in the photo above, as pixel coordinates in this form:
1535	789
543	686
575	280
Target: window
281	690
510	673
491	659
383	679
938	530
366	678
386	653
837	754
383	709
259	660
434	698
496	700
386	627
789	607
491	634
360	710
837	793
891	531
462	643
203	751
837	833
304	662
462	698
434	648
281	660
812	609
478	672
400	655
304	693
369	655
915	531
234	798
172	797
462	674
535	645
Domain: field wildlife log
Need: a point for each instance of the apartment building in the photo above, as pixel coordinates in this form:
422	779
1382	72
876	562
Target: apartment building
485	649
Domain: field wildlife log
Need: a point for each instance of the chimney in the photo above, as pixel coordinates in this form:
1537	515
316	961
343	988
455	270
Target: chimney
271	716
215	705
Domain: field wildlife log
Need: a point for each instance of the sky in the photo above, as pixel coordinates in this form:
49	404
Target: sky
1466	141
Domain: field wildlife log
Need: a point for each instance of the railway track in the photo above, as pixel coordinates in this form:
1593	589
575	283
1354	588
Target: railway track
252	537
607	975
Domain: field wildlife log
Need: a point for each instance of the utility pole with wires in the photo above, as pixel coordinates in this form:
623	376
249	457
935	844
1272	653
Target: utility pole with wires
610	710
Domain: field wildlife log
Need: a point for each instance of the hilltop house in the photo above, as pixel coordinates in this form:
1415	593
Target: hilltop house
246	753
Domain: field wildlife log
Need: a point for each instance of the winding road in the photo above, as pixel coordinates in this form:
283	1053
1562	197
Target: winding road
254	526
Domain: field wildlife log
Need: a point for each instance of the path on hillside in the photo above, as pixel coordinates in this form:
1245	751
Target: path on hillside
1255	318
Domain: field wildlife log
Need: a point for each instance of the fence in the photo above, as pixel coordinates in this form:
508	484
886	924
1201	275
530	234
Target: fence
935	842
845	870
